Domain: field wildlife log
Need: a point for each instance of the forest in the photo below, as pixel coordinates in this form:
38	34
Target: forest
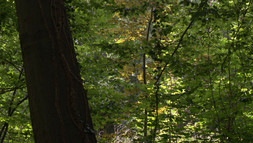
124	71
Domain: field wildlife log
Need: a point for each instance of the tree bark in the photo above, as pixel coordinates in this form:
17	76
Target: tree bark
58	103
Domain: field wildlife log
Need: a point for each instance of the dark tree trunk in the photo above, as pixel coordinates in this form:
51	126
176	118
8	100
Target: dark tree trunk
58	103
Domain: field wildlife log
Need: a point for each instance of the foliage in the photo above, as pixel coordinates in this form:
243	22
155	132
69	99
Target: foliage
15	125
196	86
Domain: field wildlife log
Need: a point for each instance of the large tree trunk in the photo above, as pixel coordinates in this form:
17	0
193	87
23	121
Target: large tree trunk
58	103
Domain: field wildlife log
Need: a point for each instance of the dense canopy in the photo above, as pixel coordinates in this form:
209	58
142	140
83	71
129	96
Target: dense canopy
154	70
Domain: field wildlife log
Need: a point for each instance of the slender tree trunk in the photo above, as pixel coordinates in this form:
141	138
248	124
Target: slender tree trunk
144	77
58	103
